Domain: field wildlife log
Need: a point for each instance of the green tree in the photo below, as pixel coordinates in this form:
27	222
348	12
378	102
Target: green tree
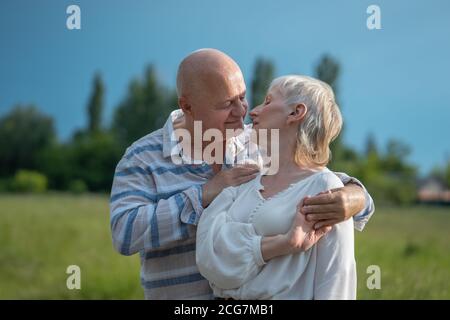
56	162
95	106
389	177
93	160
88	158
263	74
145	108
24	132
371	145
441	173
395	159
447	175
328	71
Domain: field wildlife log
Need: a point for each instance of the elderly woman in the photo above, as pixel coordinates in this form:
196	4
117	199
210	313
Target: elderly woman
252	241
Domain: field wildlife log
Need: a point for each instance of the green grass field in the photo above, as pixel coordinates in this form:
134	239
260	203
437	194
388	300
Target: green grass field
41	235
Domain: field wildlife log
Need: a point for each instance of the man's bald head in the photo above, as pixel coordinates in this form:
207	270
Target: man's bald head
202	70
211	89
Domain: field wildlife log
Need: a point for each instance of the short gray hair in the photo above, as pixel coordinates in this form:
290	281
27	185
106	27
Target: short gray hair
322	122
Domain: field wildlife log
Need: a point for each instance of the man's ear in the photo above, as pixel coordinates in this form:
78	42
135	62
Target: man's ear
184	105
298	114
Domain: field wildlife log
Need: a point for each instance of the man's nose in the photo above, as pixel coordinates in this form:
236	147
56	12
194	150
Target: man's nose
241	108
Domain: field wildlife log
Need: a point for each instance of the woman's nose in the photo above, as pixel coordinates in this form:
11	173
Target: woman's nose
254	112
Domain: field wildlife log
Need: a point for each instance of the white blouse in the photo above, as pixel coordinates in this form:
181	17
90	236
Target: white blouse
229	235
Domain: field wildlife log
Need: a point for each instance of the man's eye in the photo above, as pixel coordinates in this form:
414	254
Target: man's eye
242	98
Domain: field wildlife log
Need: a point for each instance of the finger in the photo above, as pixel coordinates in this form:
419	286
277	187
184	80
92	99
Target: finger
237	176
322	231
301	204
320	216
299	219
244	179
243	171
252	165
325	223
326	198
315	209
245	174
247	167
325	192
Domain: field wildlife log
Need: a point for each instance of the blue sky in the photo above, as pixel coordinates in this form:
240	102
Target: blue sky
394	82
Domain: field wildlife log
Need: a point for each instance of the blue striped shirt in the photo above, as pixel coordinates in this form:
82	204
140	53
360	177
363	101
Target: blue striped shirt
155	207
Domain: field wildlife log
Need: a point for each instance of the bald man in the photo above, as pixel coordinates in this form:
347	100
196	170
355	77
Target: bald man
156	202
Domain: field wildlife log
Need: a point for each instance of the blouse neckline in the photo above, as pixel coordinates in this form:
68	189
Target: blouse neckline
259	185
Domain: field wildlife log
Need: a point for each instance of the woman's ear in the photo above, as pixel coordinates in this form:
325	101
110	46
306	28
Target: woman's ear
298	114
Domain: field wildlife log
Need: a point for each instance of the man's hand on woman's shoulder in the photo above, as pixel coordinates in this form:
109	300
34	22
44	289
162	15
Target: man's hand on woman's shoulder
334	206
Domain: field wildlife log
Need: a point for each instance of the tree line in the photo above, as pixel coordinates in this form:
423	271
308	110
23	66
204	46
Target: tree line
33	159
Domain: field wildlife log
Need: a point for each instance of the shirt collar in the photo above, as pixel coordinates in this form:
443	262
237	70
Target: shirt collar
170	141
171	147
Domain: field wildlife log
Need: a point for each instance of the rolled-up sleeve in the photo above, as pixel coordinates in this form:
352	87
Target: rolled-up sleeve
228	252
144	219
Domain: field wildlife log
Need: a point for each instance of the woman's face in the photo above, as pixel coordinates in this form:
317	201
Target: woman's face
272	113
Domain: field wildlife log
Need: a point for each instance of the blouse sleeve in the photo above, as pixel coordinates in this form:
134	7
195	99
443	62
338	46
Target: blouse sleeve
335	276
228	252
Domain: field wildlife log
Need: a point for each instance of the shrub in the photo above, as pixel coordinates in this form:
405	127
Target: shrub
29	181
